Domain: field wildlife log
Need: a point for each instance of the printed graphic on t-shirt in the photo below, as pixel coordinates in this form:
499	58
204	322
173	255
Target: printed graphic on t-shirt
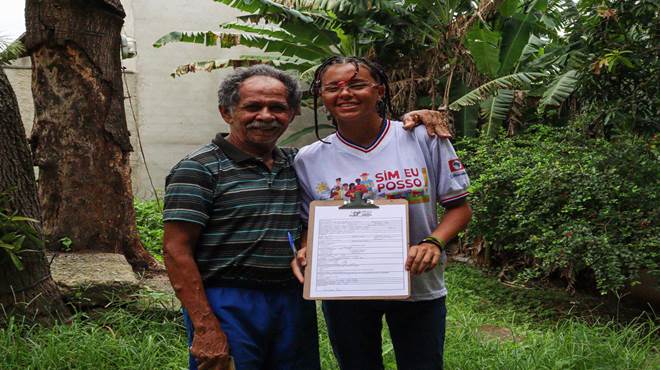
456	167
411	184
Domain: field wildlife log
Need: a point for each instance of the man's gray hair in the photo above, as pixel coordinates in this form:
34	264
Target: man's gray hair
229	96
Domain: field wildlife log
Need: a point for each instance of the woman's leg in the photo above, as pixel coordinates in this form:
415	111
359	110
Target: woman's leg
418	333
354	328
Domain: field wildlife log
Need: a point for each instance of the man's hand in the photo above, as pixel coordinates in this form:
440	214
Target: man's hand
210	349
436	122
298	264
209	345
422	257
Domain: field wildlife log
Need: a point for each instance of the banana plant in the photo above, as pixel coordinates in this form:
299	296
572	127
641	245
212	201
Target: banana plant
521	49
296	37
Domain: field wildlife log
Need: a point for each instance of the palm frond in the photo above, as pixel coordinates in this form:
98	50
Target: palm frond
533	46
287	47
496	109
265	7
560	89
263	30
302	33
511	81
10	51
348	7
282	62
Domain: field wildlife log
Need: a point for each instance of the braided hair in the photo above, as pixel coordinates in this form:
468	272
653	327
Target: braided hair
377	72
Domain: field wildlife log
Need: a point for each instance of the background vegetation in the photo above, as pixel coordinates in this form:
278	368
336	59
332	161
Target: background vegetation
552	202
555	103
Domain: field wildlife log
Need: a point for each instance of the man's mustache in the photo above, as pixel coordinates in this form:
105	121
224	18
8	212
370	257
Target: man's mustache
263	125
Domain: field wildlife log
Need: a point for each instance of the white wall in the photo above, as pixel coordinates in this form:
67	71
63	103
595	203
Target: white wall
175	116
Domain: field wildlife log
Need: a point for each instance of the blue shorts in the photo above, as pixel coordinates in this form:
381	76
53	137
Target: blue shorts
266	329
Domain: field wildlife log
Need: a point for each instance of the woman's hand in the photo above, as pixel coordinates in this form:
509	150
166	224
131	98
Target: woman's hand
422	257
298	264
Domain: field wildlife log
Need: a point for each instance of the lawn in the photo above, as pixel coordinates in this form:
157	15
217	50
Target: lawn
489	326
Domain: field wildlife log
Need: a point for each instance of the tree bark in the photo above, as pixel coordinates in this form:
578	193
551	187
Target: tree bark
30	292
80	139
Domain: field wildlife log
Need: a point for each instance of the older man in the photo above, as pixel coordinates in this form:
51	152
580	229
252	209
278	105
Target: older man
229	207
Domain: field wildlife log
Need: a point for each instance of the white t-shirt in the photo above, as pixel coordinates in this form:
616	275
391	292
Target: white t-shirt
399	164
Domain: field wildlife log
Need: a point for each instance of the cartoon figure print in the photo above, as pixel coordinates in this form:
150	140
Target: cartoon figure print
408	183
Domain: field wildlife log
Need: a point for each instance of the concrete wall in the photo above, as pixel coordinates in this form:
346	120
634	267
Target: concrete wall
174	116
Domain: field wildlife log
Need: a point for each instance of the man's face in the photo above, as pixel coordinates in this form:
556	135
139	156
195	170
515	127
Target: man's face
261	115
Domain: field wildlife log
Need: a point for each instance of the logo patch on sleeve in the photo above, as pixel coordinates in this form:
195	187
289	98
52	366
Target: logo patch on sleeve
455	165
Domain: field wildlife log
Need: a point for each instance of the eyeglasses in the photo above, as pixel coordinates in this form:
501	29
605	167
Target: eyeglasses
356	86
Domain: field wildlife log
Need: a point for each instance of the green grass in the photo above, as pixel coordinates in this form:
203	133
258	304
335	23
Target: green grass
149	219
112	339
547	335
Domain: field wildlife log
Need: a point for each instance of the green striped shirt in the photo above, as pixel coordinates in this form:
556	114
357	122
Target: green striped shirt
245	210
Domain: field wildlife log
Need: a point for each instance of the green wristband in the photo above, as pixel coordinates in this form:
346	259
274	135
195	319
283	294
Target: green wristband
435	241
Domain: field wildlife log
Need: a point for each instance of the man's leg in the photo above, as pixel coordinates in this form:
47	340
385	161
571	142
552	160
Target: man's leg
245	319
294	339
354	328
418	333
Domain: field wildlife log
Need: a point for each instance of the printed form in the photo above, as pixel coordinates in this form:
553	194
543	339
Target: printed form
360	252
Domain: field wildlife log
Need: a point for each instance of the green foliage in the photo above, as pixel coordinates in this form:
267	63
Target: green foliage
559	90
149	219
66	244
484	45
17	233
516	31
496	109
516	80
10	51
554	201
620	74
528	41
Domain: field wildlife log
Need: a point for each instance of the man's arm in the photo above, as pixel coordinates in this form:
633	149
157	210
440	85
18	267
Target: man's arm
209	345
425	256
435	121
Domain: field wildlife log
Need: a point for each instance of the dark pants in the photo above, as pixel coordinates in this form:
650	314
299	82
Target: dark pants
266	329
417	330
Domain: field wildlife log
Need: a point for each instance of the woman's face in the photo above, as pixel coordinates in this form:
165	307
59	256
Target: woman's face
349	96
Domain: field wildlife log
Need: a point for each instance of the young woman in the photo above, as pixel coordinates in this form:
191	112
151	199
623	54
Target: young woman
392	163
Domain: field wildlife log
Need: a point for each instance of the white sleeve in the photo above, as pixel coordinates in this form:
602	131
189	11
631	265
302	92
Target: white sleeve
453	181
303	187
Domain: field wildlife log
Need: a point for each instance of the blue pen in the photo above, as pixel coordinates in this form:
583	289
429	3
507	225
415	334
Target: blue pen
292	244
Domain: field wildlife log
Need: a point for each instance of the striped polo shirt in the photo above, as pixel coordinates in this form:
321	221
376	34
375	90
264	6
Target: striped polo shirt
245	211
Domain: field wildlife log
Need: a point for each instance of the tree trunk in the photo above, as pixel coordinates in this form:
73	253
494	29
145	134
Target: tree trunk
30	292
80	139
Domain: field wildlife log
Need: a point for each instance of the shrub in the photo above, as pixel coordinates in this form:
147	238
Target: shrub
149	218
555	201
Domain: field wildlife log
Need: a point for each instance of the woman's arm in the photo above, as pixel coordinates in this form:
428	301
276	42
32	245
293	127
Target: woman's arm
425	256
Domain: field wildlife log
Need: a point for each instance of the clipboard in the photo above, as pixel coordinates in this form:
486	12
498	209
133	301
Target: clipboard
337	254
